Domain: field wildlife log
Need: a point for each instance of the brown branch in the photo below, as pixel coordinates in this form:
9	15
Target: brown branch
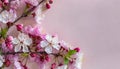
13	53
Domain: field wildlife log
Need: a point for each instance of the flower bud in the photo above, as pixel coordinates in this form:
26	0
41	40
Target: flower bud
9	38
9	45
50	1
53	66
47	6
77	49
47	58
33	55
25	67
19	27
7	62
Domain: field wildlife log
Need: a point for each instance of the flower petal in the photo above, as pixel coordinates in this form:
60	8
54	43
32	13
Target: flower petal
55	40
25	48
44	43
48	38
21	36
1	63
27	41
2	58
15	41
57	47
48	49
17	48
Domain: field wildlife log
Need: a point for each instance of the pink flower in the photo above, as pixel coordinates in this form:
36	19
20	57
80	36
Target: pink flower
36	31
15	4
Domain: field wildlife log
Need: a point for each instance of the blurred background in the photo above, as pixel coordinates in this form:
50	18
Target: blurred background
93	25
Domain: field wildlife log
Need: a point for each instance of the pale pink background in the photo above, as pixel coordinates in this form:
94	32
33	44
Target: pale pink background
94	25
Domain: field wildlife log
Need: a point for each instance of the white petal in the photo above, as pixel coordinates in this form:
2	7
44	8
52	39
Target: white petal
49	38
17	48
78	62
44	43
1	58
25	48
55	40
1	63
15	41
27	41
57	47
48	49
21	36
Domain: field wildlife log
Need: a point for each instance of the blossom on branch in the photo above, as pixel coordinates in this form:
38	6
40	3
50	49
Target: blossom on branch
22	42
49	43
8	16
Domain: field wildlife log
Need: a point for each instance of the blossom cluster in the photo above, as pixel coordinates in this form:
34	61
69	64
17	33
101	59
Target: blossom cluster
31	43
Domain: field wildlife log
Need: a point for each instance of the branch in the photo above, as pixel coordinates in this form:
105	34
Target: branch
13	53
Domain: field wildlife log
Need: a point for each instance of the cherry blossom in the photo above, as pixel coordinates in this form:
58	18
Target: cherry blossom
22	42
49	43
32	43
8	16
39	15
2	60
78	62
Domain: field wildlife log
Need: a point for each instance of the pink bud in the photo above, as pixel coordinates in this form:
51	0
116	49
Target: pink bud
19	27
33	55
47	58
50	1
7	63
42	58
77	49
25	67
53	66
47	6
9	45
9	38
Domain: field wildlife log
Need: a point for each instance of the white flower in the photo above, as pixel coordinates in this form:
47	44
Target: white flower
1	60
78	61
8	16
49	43
39	15
22	42
62	67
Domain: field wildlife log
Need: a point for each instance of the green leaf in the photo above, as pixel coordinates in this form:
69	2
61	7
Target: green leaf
70	53
3	32
66	60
